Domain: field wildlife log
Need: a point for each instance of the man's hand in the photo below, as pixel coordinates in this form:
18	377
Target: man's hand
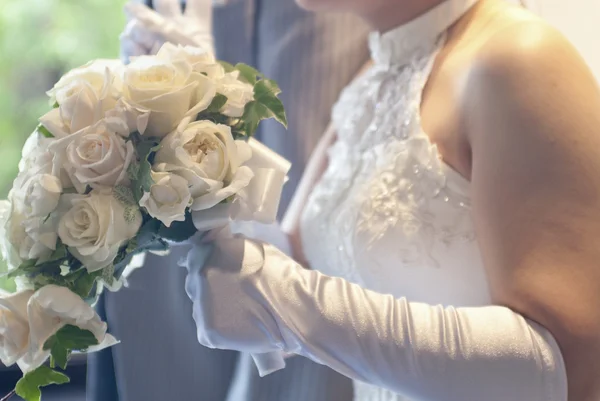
148	29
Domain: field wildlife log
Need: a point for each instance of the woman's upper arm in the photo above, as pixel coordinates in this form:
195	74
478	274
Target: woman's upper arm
534	127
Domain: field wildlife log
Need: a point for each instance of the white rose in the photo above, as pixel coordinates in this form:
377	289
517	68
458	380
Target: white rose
168	198
84	95
50	309
23	238
201	60
206	155
14	327
238	94
95	227
41	193
125	119
169	90
35	156
95	156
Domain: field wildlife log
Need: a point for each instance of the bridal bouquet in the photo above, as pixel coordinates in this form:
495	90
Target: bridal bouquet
131	159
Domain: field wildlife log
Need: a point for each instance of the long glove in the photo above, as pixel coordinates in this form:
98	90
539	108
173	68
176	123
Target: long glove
148	29
251	297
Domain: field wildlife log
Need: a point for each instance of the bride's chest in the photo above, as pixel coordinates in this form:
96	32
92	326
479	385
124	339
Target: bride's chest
388	213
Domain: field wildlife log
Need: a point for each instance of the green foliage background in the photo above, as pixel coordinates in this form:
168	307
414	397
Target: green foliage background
39	41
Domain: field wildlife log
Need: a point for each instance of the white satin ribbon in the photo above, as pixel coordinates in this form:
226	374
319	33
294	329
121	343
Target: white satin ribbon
258	202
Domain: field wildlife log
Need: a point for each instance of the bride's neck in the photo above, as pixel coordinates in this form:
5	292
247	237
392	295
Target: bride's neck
392	15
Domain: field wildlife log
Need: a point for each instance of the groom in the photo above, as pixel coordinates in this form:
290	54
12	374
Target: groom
312	57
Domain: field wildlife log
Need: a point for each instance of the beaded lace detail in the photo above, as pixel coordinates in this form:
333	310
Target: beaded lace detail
388	213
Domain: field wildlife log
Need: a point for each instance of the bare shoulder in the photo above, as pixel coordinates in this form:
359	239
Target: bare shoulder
528	70
530	46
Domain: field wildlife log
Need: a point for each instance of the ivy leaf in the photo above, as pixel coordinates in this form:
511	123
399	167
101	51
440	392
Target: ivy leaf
108	274
126	196
69	338
59	254
266	88
265	92
148	238
44	131
226	66
247	73
28	266
254	113
28	387
217	103
145	150
179	231
133	170
59	355
147	232
72	338
81	282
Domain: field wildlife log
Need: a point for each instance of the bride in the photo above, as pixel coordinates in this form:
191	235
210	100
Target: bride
450	219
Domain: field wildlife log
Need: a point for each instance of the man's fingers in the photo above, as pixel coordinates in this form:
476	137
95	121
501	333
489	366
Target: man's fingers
201	12
168	8
146	16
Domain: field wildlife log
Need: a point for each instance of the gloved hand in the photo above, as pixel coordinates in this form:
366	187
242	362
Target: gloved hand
251	297
202	247
148	29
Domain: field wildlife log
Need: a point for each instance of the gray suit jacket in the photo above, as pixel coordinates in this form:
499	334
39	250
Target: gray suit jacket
312	57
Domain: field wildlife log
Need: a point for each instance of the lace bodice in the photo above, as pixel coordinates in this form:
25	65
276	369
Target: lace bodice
388	213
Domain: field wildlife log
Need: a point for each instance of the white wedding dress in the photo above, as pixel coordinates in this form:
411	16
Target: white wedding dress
389	214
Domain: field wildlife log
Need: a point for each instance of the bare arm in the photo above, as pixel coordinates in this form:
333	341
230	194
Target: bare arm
534	113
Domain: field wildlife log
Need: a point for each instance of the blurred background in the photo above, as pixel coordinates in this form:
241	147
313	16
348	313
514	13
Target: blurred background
39	41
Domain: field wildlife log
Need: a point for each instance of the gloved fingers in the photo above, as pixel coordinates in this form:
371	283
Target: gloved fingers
200	10
168	8
157	45
147	17
131	49
136	32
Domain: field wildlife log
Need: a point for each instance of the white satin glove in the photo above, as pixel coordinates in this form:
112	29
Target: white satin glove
251	297
147	30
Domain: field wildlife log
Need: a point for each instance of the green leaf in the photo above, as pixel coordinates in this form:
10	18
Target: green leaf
28	387
265	92
247	73
59	254
69	338
81	282
147	232
55	105
226	66
72	338
108	274
125	195
254	112
217	103
27	266
133	170
44	131
179	231
59	355
145	150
